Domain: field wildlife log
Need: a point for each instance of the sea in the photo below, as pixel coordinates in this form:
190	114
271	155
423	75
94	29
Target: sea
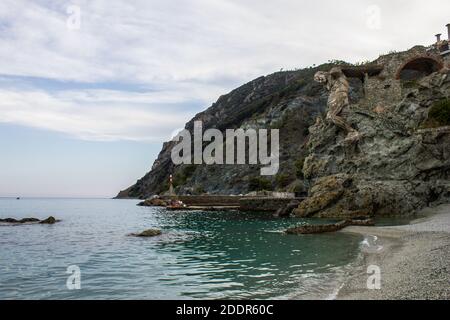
89	254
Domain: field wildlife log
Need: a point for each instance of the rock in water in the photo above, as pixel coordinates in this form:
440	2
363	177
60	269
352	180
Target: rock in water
321	228
29	220
49	220
287	210
153	202
324	228
147	233
9	220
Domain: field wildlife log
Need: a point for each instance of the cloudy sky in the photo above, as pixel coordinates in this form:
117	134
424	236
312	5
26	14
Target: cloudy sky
89	89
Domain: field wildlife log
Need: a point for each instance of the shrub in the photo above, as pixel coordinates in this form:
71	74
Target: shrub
260	184
291	90
305	131
189	170
439	114
299	163
199	190
298	188
180	178
163	187
283	180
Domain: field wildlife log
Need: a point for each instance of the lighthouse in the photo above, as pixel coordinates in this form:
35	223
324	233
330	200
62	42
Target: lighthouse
171	192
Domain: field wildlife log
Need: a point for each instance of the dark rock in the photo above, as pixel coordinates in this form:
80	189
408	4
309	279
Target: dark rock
154	202
329	198
321	228
28	220
287	210
147	233
49	220
324	228
279	213
9	220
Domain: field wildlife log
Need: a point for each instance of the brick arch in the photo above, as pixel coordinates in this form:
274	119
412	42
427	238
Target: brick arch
423	63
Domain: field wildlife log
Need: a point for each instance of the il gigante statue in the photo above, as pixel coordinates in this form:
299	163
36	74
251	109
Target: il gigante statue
336	82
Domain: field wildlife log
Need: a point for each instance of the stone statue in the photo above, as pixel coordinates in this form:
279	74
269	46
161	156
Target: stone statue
336	82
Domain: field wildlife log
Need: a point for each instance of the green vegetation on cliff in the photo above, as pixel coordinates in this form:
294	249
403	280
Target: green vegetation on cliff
439	114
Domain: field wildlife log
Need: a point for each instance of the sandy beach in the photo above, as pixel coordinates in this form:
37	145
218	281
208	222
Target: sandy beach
413	260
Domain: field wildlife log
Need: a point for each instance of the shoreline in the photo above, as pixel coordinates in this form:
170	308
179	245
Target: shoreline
413	259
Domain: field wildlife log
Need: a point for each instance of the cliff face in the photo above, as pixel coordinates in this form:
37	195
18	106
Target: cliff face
287	100
401	163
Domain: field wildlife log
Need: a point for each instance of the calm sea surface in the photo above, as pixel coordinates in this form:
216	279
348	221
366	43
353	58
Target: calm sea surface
201	255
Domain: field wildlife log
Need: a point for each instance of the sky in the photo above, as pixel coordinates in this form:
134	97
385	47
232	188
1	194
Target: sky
89	89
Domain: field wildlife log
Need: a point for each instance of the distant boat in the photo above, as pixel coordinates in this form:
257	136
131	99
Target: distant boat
18	198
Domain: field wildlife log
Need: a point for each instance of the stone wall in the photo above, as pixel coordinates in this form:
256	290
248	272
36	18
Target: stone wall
381	92
264	204
385	88
271	194
393	62
207	200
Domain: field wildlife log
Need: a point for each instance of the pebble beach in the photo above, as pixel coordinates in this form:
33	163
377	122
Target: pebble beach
414	260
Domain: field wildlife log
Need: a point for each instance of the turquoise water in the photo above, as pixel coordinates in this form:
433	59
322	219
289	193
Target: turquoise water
201	255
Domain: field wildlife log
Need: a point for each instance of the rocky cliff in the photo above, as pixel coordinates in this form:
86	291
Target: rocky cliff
402	162
287	100
399	104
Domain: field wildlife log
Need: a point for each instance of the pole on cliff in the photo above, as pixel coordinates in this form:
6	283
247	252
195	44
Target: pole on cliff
171	192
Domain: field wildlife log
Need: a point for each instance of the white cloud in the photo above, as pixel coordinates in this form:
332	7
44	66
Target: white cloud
190	50
147	41
107	116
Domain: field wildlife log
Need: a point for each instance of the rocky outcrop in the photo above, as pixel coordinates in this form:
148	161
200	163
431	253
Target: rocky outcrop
314	229
154	202
12	220
49	220
286	211
289	100
326	228
395	168
147	233
266	204
349	196
28	220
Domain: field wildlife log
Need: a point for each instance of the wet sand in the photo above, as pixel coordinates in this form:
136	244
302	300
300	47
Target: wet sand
414	260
